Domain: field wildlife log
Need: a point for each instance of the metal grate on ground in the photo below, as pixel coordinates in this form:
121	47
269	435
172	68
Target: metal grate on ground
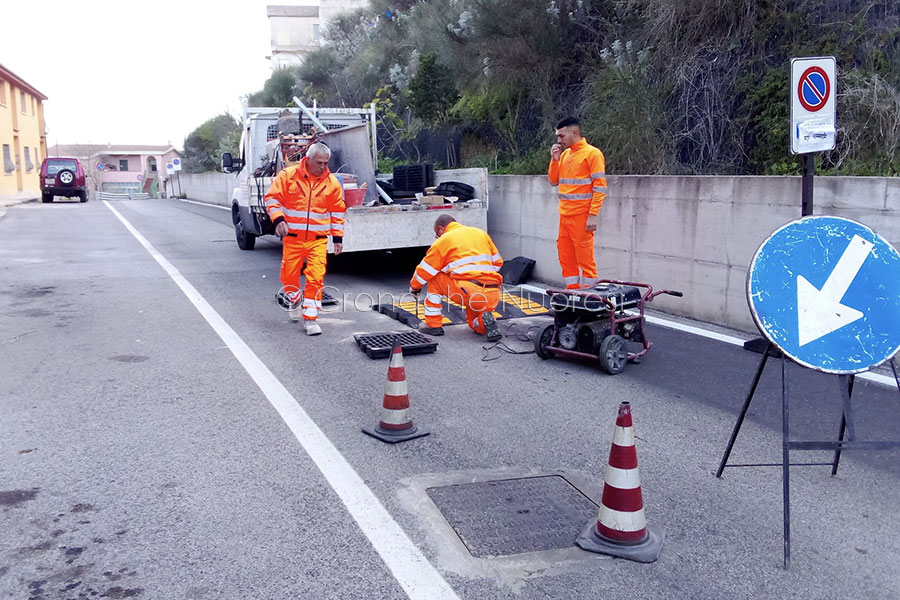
380	345
515	303
514	516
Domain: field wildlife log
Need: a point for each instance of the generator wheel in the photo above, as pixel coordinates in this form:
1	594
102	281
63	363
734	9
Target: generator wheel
542	342
613	354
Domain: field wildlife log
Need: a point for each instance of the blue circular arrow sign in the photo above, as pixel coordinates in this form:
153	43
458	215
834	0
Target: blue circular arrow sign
826	292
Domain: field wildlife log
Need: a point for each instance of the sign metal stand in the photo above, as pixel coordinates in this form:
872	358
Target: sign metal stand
847	428
824	292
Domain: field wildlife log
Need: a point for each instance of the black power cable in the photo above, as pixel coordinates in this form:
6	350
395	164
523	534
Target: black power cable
497	349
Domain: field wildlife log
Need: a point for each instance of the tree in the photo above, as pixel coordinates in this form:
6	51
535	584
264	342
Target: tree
431	91
278	90
202	147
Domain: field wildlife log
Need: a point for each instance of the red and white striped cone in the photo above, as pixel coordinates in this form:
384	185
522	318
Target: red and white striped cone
396	424
621	527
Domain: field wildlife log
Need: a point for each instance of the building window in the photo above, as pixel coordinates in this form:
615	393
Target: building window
22	103
8	165
29	166
123	164
316	32
2	92
153	167
32	106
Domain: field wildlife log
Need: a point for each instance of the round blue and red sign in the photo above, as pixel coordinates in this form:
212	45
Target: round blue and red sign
814	89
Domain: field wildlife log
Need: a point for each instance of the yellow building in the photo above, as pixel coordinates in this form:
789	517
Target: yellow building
22	136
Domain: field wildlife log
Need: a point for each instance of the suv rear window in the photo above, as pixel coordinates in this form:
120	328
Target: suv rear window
55	166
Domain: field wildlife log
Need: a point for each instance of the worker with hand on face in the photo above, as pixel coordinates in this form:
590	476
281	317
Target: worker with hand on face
306	205
579	170
462	264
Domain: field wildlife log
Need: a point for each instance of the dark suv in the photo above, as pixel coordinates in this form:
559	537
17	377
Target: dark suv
63	177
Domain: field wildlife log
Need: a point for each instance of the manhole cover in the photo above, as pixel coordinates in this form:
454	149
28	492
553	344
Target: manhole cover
512	516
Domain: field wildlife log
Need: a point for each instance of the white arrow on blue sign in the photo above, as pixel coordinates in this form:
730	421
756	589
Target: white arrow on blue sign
826	292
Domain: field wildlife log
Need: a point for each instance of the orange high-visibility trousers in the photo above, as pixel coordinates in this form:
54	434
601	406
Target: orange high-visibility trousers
475	298
294	251
576	252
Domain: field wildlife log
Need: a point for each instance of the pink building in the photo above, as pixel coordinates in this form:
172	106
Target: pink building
124	169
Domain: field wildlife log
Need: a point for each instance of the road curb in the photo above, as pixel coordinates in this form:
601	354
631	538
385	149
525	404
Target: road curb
6	202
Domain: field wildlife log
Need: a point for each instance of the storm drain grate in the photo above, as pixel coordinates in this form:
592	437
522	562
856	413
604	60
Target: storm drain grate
380	345
512	516
328	299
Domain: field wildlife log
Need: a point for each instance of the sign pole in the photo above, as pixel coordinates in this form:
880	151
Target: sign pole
809	172
813	128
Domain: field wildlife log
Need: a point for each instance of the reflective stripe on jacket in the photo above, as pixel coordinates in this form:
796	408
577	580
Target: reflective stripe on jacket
580	174
465	253
311	206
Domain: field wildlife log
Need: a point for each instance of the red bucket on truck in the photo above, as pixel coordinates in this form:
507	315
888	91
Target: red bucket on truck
354	197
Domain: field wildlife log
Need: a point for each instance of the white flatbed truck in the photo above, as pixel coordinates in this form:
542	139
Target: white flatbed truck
350	134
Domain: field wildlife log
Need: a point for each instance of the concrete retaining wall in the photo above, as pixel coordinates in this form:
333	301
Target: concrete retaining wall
694	234
215	188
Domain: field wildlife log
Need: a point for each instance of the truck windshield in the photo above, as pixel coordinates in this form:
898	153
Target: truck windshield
55	166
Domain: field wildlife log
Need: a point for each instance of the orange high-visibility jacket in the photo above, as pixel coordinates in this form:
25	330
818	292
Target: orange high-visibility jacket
580	174
312	207
464	253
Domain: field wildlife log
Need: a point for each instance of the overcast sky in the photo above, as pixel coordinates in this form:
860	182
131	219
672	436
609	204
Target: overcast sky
129	72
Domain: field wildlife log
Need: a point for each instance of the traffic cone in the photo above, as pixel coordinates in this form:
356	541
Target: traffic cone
621	529
396	424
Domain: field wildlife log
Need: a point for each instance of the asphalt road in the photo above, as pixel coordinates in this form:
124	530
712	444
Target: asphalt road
166	432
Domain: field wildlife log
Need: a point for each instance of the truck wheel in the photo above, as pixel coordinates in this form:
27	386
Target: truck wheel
245	240
542	341
46	198
613	354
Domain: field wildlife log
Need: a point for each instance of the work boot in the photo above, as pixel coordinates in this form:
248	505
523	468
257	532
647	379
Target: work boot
312	328
295	313
430	330
490	326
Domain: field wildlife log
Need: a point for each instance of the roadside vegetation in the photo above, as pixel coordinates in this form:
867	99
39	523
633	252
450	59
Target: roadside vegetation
661	86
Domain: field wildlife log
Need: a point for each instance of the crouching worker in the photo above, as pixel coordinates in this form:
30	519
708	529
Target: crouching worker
306	205
463	264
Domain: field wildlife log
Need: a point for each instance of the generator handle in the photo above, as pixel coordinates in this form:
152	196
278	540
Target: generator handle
675	293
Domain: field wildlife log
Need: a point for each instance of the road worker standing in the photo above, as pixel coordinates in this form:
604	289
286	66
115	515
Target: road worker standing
306	205
579	170
463	264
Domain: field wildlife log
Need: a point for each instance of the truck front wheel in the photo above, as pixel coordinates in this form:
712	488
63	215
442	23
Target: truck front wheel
245	239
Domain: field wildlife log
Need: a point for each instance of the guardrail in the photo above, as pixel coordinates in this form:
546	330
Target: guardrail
113	196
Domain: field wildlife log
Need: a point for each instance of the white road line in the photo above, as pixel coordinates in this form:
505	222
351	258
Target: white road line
203	204
728	339
410	568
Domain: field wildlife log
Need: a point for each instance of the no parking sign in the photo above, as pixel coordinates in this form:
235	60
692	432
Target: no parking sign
813	105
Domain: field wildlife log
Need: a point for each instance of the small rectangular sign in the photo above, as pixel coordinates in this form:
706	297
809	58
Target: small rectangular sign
813	104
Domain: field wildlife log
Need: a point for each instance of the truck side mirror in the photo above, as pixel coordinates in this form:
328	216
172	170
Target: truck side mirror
227	162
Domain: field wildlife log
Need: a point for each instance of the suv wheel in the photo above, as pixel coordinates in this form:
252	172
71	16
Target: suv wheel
83	196
46	198
66	177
